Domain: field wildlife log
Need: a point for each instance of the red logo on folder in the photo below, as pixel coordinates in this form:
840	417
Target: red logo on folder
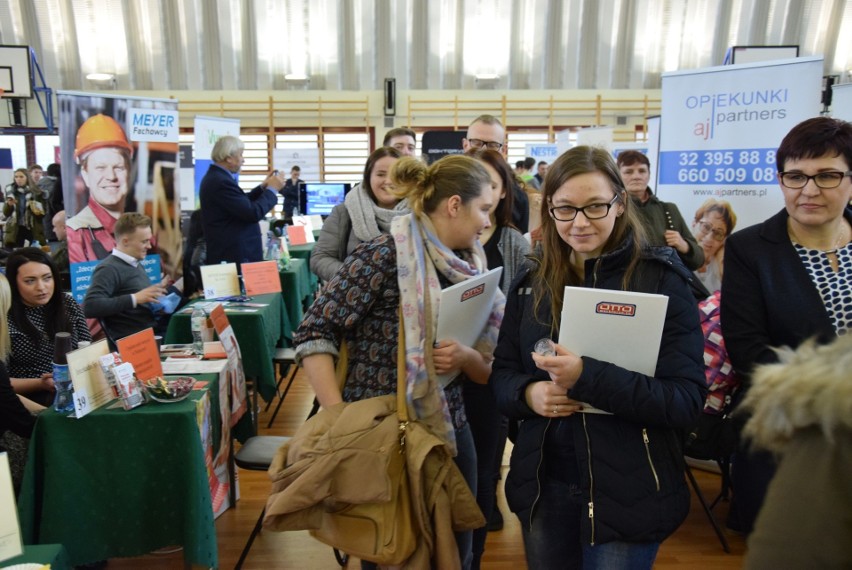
621	309
473	292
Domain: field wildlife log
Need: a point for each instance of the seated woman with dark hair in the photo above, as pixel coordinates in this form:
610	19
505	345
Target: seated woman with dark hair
39	310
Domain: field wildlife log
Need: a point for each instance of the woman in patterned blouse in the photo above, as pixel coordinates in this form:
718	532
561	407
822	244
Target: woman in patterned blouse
789	278
432	248
39	310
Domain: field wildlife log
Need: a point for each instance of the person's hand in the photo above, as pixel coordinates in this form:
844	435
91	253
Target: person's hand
675	240
275	180
448	355
564	369
550	400
150	294
45	382
11	200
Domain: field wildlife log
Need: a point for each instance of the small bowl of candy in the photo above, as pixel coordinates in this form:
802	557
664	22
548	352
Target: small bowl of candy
169	390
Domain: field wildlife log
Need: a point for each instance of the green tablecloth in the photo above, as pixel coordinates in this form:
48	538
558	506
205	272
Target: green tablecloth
52	554
296	288
258	334
119	483
302	251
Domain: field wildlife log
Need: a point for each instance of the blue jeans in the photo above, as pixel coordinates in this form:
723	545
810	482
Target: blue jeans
466	462
552	538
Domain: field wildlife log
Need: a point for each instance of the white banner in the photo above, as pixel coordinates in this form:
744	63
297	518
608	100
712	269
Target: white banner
207	131
210	129
721	127
307	159
596	136
841	102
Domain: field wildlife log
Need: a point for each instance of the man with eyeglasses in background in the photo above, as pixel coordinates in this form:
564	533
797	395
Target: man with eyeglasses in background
487	131
662	220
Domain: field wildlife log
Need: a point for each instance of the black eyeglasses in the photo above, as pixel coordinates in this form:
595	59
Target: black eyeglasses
824	180
479	143
592	211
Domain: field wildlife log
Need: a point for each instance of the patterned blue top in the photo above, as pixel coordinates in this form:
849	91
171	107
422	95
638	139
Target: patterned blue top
835	287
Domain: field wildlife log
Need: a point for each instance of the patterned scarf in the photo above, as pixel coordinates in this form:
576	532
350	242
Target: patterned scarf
420	255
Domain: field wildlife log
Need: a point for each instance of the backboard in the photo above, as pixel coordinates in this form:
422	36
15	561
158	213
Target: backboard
15	72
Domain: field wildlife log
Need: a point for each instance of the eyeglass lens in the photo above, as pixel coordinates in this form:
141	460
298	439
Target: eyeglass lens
824	180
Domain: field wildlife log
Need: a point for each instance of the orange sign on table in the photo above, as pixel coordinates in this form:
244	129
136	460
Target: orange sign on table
140	350
297	235
261	278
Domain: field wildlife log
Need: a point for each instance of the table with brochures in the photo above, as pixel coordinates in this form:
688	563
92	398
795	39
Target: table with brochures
258	330
118	483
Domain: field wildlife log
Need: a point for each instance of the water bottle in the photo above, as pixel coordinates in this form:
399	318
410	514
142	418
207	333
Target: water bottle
284	258
198	321
64	401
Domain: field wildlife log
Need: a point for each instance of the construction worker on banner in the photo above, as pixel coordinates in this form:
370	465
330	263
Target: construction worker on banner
104	155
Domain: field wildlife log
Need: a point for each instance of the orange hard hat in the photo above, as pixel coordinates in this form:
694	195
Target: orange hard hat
97	132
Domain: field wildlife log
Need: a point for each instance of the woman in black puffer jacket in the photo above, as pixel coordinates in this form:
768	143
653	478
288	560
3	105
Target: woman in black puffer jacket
593	490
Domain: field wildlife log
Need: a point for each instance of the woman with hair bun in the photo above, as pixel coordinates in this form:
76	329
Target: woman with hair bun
433	247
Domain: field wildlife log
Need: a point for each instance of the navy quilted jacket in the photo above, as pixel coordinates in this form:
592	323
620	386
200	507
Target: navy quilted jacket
630	463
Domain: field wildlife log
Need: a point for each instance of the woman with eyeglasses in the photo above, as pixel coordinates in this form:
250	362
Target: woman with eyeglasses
789	278
596	490
714	222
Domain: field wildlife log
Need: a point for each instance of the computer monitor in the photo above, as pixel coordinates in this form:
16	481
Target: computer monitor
322	197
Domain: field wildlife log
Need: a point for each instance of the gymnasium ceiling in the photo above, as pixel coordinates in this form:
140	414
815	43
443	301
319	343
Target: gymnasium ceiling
171	45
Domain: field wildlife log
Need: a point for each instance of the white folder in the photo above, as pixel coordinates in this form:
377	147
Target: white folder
621	327
464	310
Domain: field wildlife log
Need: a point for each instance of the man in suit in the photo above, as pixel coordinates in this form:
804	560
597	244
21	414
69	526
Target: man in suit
230	216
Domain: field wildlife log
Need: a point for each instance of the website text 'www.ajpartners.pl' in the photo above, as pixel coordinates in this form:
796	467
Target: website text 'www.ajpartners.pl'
731	192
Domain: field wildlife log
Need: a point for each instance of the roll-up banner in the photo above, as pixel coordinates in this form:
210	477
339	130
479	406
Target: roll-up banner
207	131
841	101
720	129
118	154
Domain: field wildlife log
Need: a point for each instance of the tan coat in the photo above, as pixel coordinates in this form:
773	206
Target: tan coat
330	461
802	410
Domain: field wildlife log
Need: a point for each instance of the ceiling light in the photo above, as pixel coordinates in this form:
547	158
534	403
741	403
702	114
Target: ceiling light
100	77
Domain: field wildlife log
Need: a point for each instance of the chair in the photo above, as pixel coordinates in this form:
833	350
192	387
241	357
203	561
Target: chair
285	359
256	455
724	466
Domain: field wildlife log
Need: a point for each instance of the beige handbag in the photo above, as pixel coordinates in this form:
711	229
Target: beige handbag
384	532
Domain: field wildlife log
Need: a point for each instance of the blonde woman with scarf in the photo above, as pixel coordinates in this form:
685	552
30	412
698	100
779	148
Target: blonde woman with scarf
435	246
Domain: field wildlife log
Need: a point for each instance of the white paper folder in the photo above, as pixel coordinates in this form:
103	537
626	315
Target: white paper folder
464	311
621	327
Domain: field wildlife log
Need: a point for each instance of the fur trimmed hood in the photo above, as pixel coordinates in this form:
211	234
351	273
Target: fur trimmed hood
809	387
